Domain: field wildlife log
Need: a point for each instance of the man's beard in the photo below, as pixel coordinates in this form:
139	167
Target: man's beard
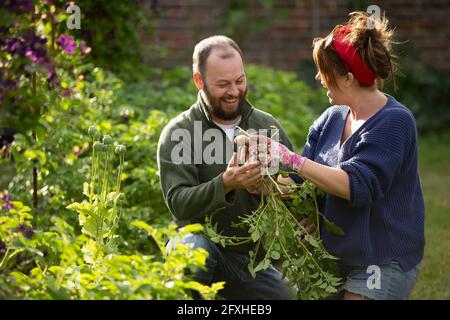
216	109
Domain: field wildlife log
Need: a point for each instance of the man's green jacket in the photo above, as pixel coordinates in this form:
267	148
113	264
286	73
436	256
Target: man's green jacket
192	159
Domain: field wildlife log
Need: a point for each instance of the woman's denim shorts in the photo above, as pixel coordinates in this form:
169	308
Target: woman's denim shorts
384	282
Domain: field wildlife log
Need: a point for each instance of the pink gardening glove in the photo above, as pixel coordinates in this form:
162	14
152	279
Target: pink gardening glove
268	150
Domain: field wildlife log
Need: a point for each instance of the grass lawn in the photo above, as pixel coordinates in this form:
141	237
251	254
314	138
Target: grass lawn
434	161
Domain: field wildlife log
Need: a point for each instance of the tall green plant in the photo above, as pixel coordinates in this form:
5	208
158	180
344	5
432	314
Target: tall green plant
89	266
99	216
275	228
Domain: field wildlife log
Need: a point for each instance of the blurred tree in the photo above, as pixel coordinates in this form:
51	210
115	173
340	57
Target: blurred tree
113	29
244	17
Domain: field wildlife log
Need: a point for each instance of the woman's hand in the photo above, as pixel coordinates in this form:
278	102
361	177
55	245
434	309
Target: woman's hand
269	150
332	180
285	181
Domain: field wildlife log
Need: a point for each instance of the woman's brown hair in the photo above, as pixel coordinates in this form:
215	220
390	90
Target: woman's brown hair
372	39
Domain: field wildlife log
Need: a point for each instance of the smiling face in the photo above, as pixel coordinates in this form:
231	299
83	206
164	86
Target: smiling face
224	84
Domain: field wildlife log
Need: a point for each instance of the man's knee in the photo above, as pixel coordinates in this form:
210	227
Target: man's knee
199	241
273	286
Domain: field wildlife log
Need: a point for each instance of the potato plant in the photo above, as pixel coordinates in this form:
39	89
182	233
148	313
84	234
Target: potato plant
275	229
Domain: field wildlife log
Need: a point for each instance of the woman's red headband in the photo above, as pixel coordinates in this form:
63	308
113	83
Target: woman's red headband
351	57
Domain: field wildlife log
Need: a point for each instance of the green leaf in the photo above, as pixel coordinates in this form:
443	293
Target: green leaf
266	264
275	255
260	266
142	225
17	204
331	289
36	155
312	241
256	235
86	189
251	270
333	228
192	228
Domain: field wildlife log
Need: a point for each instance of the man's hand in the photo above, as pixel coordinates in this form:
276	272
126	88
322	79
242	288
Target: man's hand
260	188
236	177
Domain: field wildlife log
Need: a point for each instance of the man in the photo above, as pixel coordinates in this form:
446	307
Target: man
200	174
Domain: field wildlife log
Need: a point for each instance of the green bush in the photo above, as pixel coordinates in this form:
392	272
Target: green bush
294	103
48	265
56	264
424	90
113	28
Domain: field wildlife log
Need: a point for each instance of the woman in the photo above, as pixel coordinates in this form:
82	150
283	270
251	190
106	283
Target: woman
362	152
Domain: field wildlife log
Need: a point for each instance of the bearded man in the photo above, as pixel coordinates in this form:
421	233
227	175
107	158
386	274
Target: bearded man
200	174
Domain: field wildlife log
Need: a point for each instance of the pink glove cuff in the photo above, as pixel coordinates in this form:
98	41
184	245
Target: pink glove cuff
297	162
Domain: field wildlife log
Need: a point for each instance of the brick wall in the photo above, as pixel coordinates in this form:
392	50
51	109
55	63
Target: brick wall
287	44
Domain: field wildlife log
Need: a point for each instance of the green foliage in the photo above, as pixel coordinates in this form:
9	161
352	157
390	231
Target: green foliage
26	71
294	103
275	226
107	250
134	115
113	28
89	266
101	253
64	274
241	17
15	227
100	216
434	166
424	90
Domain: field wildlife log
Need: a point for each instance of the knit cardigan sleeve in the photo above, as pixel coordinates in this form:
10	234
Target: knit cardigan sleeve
311	141
377	156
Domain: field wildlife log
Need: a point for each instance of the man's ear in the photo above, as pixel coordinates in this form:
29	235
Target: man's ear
198	80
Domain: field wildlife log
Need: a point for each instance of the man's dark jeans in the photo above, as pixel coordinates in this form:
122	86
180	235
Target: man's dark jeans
230	266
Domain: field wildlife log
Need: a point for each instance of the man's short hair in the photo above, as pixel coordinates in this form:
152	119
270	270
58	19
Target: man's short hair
203	50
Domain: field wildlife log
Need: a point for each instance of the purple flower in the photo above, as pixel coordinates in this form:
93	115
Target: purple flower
13	46
66	43
6	198
27	50
66	92
30	55
51	76
84	48
31	46
8	206
9	85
